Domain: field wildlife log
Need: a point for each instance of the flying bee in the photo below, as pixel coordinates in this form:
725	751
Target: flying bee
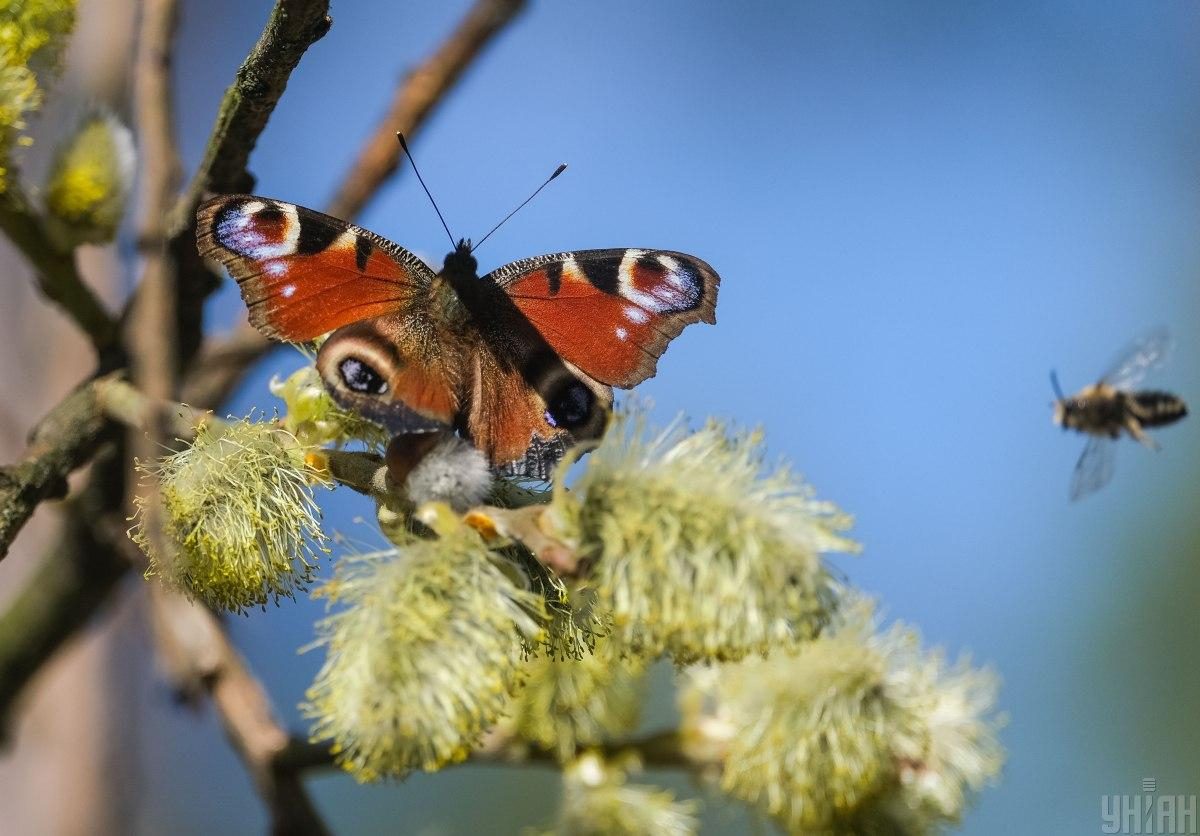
1111	406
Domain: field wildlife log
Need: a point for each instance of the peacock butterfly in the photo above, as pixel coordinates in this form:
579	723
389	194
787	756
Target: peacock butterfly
521	361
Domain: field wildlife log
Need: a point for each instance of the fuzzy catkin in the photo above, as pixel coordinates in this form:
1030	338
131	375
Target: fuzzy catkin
238	516
422	654
697	551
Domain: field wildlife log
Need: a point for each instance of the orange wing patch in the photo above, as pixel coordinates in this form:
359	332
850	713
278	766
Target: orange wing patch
612	313
301	273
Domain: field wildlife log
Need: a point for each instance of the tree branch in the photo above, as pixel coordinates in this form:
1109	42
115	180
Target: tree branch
293	27
127	405
65	439
200	652
221	363
79	574
190	637
57	276
657	750
153	314
422	89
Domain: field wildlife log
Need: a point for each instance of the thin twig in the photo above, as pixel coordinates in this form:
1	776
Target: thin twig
221	363
195	646
57	275
78	575
152	333
153	316
656	750
201	652
294	26
64	440
200	659
423	88
125	404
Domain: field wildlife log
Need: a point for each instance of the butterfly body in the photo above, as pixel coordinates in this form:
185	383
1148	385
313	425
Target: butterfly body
520	361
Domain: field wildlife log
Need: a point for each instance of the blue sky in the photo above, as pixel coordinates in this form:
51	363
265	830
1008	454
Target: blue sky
917	210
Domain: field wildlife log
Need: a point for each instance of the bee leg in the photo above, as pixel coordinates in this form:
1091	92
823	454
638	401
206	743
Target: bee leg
1134	428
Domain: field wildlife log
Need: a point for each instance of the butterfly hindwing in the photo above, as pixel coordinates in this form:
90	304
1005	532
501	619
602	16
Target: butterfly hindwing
301	273
525	418
395	371
611	313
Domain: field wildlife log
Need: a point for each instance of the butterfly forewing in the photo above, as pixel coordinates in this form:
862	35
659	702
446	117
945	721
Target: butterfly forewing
301	273
612	313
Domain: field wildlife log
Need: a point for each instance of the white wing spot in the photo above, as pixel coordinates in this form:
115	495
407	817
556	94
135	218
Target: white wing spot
622	334
636	315
276	268
287	291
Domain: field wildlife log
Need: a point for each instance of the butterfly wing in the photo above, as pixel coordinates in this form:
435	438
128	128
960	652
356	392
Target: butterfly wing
611	313
395	370
524	417
303	274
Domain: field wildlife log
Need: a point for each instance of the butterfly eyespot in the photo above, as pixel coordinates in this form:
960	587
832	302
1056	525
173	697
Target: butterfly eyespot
359	377
570	406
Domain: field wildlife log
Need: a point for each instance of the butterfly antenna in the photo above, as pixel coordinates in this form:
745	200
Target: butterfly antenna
1058	392
561	168
417	172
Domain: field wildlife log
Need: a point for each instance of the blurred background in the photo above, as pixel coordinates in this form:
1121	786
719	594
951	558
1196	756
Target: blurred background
917	211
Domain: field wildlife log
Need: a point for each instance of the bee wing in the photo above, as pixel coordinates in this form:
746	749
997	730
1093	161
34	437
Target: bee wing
1139	357
1094	468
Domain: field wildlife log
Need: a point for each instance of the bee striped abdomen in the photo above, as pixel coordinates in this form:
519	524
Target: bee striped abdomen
1156	409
